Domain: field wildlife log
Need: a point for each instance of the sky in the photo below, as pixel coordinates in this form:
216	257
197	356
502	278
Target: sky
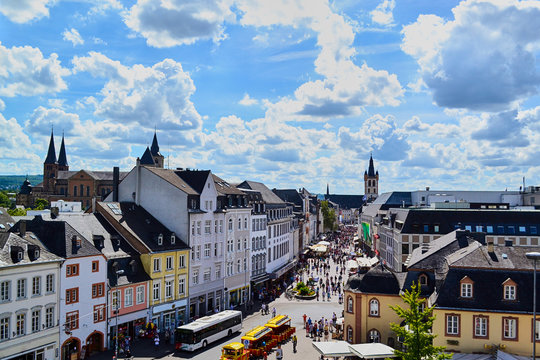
293	93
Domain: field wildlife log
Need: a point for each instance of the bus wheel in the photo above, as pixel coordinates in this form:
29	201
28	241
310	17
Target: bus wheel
229	333
204	344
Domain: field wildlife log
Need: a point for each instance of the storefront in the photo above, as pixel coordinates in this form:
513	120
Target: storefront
39	353
170	315
239	295
205	304
129	325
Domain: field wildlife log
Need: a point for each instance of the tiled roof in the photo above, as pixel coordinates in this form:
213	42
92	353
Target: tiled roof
378	280
346	201
268	196
97	175
224	187
289	195
174	179
195	178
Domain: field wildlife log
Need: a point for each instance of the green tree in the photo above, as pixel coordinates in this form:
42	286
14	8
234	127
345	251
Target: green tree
40	204
329	216
416	331
17	212
4	200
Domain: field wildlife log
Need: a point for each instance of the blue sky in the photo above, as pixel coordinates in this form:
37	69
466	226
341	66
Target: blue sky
290	93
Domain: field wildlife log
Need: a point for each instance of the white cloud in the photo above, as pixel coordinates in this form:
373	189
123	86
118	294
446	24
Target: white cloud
73	36
484	59
248	101
157	95
22	11
2	105
178	22
382	14
15	146
24	71
98	41
42	119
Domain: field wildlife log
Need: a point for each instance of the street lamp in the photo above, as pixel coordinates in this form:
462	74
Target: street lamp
118	272
534	256
245	279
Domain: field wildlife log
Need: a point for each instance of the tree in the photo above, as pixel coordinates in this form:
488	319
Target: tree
416	331
40	204
329	216
4	200
17	212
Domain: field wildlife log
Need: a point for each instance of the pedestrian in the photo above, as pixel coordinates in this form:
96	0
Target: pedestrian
294	342
279	353
273	312
305	316
156	342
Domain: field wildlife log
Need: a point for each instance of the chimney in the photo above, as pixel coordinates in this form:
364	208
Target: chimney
427	188
54	212
461	237
490	248
116	181
22	228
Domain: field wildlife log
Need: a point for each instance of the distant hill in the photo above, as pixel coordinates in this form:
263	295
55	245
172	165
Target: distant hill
14	182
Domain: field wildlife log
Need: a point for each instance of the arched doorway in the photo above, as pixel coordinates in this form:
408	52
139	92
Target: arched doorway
71	349
94	343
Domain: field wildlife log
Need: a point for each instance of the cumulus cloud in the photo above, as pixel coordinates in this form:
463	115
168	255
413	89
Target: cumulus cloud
73	36
248	101
41	120
178	22
149	96
382	14
24	71
22	11
503	129
14	146
484	59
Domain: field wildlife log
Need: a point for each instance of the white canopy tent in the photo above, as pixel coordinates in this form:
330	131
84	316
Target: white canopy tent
333	349
372	351
325	243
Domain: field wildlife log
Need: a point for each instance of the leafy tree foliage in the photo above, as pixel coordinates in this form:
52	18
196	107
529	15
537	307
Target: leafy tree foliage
4	200
329	216
17	212
416	331
40	204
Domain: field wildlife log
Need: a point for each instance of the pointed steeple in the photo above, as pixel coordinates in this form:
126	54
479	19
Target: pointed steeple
51	154
371	169
154	149
62	159
327	189
147	159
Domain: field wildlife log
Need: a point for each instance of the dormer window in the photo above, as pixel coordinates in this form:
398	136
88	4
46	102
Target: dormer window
36	254
509	290
466	285
160	239
423	279
20	255
173	238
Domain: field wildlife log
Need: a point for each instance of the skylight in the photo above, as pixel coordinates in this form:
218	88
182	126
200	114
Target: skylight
115	208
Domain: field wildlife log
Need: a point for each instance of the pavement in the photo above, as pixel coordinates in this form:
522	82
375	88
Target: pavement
144	349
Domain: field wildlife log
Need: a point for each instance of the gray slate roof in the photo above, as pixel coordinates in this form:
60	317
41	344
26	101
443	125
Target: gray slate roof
268	196
173	178
8	240
6	221
97	175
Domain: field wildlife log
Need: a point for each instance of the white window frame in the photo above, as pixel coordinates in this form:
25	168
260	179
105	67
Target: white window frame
128	297
374	307
157	264
181	286
195	276
156	290
49	284
140	294
480	326
5	291
452	324
466	290
509	292
169	289
36	286
509	328
21	288
182	261
169	263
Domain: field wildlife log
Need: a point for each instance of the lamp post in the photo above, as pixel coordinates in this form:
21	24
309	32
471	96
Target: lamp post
118	272
534	256
245	279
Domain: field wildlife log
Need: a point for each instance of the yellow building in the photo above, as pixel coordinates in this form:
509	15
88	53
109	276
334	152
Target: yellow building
164	256
367	313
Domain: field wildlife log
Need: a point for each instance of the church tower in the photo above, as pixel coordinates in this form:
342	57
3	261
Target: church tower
371	181
156	155
50	168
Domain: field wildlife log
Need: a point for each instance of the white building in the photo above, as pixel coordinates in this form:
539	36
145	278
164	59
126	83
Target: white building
82	289
29	282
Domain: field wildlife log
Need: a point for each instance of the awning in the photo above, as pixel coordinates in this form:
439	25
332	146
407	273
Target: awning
260	278
372	351
282	270
333	349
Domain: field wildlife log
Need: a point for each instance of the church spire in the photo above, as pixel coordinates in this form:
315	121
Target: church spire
62	159
327	189
154	149
51	154
371	169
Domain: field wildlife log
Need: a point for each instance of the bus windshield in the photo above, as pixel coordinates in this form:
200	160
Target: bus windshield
184	336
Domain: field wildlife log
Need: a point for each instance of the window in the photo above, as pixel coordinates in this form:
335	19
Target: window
195	276
207	250
36	285
349	334
230	225
193	228
423	279
230	245
511	230
480	326
245	223
489	229
140	294
216	226
218	271
238	245
157	264
181	286
216	249
21	324
374	307
198	252
95	266
245	264
245	244
426	228
220	226
49	317
239	224
21	288
72	270
436	228
128	297
509	292
479	228
49	283
98	290
4	328
510	328
452	325
72	320
99	313
207	226
72	295
350	304
181	261
238	266
269	254
157	291
374	336
466	290
116	300
169	263
4	290
533	230
206	275
198	228
537	330
36	320
229	268
168	289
